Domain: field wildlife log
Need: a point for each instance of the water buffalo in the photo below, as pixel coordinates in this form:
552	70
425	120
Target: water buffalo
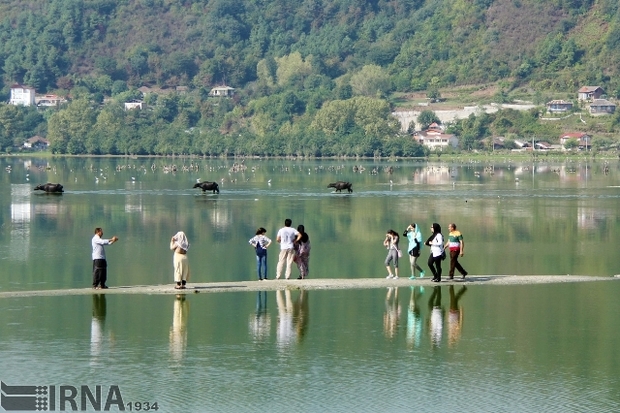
49	188
208	186
340	185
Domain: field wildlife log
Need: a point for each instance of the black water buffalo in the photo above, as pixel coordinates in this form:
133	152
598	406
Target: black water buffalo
340	185
49	188
208	186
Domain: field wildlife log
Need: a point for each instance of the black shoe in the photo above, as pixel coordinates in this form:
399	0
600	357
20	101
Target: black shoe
465	274
104	286
436	280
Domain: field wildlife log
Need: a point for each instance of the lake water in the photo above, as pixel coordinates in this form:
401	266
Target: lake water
467	347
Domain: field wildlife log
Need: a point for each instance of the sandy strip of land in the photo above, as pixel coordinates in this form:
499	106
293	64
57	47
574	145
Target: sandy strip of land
311	284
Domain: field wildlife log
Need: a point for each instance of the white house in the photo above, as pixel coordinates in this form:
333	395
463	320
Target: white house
134	104
222	91
49	100
434	138
36	142
22	95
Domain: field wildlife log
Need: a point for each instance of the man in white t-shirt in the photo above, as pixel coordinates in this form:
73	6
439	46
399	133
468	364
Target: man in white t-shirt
286	237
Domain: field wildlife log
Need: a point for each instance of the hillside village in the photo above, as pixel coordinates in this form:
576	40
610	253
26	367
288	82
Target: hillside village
434	137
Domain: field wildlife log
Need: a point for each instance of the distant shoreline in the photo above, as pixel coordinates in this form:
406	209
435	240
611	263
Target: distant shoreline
310	284
434	157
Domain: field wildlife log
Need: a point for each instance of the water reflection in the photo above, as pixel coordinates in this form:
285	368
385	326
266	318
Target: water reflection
293	318
178	331
391	317
414	318
436	315
455	317
97	327
260	321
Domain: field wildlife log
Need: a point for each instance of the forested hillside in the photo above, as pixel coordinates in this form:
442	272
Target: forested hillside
312	77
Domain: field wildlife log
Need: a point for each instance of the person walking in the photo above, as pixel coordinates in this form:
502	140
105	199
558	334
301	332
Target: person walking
260	243
414	235
391	243
179	244
100	265
286	237
302	252
456	246
435	241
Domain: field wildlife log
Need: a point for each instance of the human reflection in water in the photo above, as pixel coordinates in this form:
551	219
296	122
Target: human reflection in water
436	315
292	317
414	320
455	317
178	331
285	334
260	321
391	316
97	326
301	315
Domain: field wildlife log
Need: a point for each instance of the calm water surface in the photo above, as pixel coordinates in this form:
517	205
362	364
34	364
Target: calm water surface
537	348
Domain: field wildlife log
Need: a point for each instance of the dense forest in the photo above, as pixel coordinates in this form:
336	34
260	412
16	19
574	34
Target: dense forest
312	77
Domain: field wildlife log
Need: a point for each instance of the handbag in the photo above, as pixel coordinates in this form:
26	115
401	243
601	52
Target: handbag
400	253
443	255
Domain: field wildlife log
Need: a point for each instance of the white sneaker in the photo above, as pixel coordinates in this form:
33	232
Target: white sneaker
395	277
390	276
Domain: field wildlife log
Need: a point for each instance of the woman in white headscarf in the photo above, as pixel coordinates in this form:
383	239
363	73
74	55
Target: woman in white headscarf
179	244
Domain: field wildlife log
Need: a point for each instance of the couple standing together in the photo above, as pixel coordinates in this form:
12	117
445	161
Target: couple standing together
294	247
455	245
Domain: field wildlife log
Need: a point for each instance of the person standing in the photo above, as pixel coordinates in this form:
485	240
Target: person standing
414	235
391	242
302	252
260	243
456	247
100	265
179	244
286	237
435	241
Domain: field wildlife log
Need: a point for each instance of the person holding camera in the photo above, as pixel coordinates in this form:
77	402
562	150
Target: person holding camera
391	242
414	235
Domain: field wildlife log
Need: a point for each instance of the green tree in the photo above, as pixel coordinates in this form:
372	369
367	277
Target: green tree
426	118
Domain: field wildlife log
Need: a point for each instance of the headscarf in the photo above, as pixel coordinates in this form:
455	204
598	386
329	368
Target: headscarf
180	239
436	230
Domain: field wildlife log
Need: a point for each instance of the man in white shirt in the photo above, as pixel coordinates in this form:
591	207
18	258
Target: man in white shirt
100	265
286	237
